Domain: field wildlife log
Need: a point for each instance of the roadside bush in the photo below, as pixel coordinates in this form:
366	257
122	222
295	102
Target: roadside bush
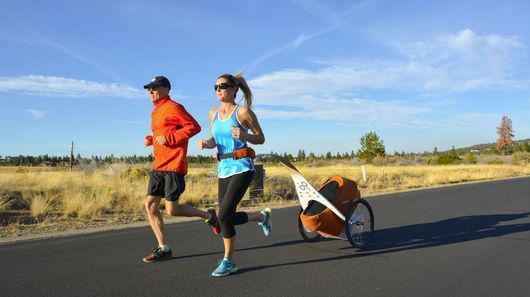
446	159
471	159
521	158
379	160
133	173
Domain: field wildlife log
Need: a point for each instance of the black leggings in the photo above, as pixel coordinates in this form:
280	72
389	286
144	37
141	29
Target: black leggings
231	191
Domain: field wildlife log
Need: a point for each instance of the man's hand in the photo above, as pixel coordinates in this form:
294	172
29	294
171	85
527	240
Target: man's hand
161	140
148	140
202	144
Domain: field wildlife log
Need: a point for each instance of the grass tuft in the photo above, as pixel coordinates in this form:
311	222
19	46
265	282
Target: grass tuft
39	206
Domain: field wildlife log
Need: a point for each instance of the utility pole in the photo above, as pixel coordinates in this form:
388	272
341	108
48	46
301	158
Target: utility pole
71	156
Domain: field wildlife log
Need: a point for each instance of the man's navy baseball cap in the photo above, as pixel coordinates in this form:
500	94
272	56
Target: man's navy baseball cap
159	81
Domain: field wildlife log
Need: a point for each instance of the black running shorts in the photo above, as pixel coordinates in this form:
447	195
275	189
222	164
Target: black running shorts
167	184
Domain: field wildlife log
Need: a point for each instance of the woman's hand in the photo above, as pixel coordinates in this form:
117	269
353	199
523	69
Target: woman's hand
238	133
208	144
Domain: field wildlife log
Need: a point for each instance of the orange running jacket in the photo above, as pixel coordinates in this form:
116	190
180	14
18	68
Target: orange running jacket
173	121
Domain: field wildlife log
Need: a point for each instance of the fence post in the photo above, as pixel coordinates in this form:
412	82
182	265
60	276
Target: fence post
364	173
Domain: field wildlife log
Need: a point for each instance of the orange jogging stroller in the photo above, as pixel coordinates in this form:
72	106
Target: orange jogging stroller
336	210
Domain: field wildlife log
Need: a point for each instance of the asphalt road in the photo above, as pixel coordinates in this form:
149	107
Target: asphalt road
466	240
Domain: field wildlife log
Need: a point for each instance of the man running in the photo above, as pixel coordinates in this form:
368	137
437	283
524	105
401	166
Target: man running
172	127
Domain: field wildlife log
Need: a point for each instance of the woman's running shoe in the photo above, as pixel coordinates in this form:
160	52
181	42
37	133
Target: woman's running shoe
266	224
224	268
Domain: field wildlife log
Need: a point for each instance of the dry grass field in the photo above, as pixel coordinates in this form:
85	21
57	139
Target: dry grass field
117	192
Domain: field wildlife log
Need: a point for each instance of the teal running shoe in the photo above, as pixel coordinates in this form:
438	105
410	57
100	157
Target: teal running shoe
224	268
266	224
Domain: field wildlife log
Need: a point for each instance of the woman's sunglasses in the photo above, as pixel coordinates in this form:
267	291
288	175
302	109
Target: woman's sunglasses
223	86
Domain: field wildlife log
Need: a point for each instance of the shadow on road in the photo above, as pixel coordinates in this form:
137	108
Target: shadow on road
444	232
450	231
277	244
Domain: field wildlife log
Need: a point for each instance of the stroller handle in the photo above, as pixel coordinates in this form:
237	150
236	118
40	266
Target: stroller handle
304	190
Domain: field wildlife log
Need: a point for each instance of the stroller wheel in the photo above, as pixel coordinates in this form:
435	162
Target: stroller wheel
307	234
359	223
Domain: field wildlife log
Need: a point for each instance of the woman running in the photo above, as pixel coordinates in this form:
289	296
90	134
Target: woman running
229	126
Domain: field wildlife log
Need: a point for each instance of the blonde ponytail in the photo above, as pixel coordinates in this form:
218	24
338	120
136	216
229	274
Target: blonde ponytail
239	81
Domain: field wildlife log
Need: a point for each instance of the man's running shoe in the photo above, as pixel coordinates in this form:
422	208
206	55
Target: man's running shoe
213	221
266	224
224	268
158	255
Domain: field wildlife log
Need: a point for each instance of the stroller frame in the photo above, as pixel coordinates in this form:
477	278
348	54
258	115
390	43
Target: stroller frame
358	221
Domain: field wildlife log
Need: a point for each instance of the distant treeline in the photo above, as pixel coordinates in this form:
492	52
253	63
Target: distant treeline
46	160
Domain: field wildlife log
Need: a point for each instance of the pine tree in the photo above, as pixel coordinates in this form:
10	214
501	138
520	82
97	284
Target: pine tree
505	132
371	146
301	155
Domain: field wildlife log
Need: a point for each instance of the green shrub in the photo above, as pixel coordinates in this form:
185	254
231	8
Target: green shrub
379	160
521	158
134	173
471	159
446	159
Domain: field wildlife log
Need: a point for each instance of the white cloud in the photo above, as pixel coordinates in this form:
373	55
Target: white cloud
458	63
286	104
466	61
358	112
467	42
329	94
38	85
299	40
39	114
337	20
330	80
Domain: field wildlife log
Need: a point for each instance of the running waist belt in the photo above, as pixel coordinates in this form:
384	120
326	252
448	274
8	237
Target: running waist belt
247	152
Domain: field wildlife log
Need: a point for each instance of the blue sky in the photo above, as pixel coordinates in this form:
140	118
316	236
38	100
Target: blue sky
421	74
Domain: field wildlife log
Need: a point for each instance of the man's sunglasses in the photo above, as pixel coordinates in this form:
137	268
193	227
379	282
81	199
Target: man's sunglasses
223	86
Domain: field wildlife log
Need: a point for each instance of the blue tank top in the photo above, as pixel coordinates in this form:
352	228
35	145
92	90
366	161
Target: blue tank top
222	134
